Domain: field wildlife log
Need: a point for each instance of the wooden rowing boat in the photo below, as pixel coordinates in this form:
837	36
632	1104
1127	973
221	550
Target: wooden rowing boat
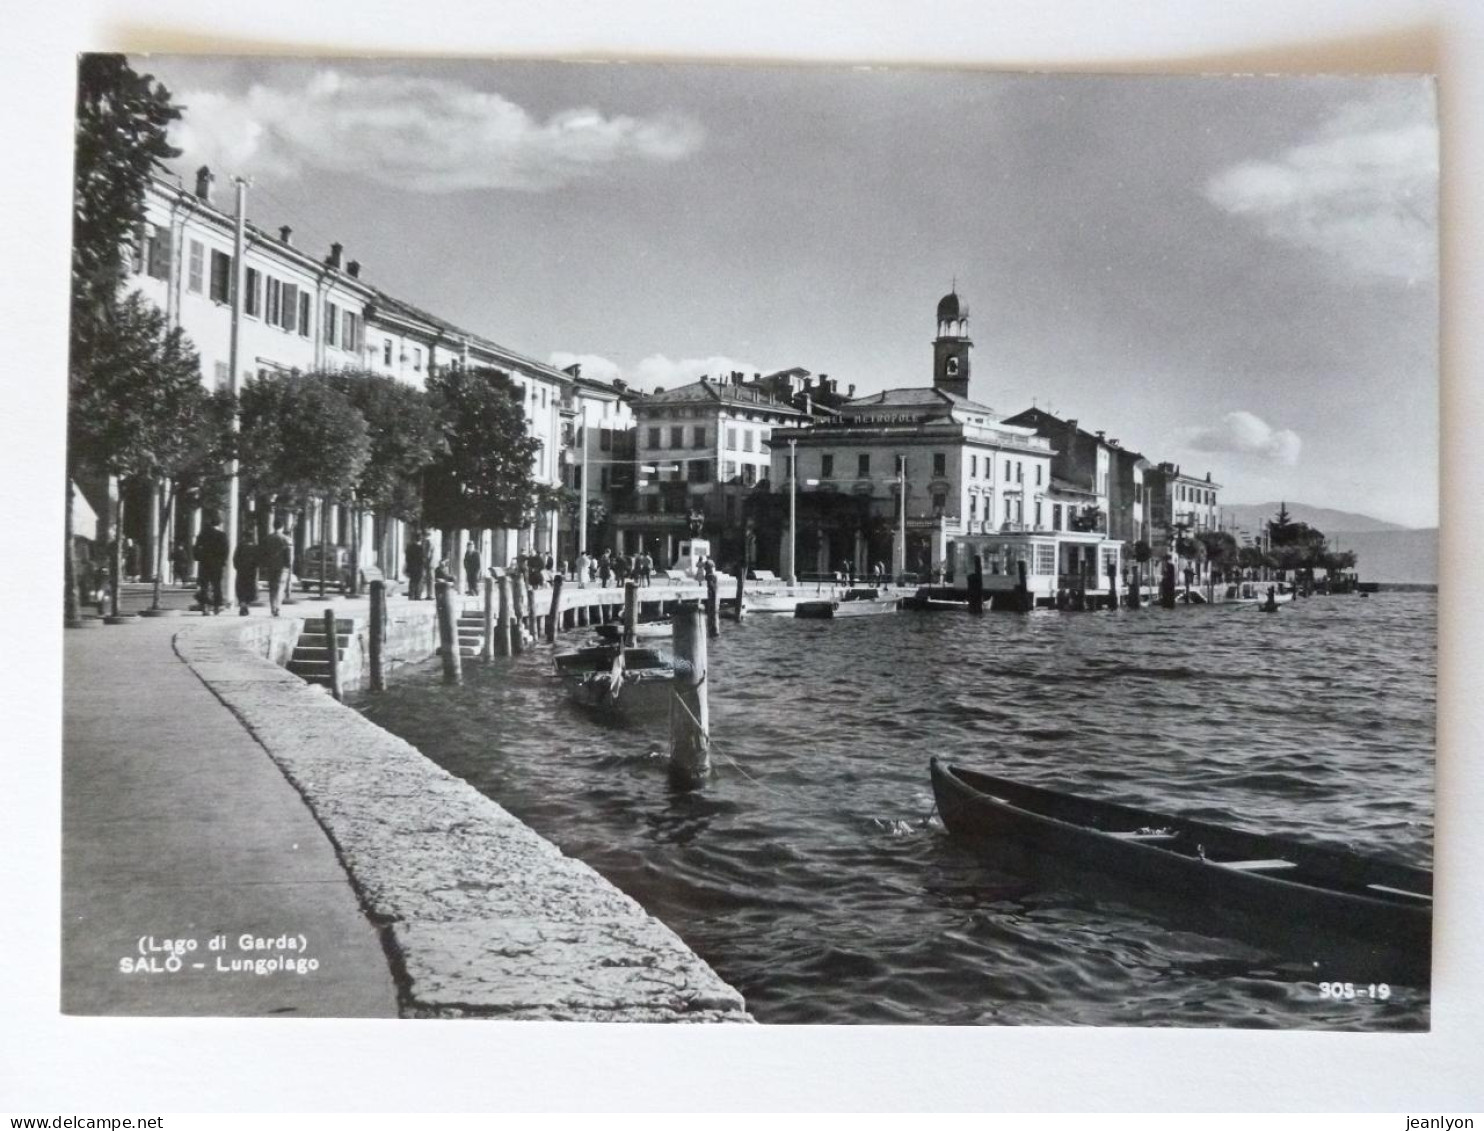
645	630
854	603
1256	880
600	657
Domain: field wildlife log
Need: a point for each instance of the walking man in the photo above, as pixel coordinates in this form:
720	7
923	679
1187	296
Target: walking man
275	558
245	563
210	553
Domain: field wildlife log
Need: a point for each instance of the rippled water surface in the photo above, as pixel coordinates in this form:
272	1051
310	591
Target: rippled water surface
811	875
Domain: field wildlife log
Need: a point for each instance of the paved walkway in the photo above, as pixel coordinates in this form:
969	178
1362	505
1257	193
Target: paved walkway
178	826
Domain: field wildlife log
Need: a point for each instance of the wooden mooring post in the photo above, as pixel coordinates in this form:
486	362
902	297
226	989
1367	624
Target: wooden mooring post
555	612
1112	586
502	626
517	604
376	636
332	653
1022	589
713	606
1167	586
1134	600
690	717
448	632
630	613
741	600
487	645
976	586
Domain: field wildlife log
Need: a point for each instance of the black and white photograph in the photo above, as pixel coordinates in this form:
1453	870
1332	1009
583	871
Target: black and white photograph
791	559
745	544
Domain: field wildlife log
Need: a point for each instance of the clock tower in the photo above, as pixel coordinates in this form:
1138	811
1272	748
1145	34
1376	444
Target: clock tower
951	347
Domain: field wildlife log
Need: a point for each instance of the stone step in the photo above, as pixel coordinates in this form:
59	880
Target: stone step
317	639
315	655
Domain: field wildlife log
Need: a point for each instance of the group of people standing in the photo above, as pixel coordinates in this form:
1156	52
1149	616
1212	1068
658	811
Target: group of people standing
617	568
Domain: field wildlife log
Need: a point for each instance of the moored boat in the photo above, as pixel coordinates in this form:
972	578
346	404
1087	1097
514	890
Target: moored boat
1256	592
1271	884
853	603
600	657
772	601
644	630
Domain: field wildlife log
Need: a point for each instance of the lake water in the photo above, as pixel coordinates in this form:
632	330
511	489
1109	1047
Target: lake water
812	875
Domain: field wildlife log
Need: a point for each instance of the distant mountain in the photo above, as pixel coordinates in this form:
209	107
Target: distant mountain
1391	555
1250	516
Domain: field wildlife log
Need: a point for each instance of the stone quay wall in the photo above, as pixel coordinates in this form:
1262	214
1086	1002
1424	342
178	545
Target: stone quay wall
479	915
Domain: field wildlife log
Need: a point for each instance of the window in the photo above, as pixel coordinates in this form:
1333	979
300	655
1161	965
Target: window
417	359
386	351
654	437
730	471
303	314
862	466
350	331
973	506
291	296
195	280
749	474
677	435
1038	514
273	304
940	464
940	502
1019	472
221	277
1039	469
652	504
747	439
603	477
605	439
332	322
252	297
157	253
1056	516
732	438
973	467
698	471
827	466
1007	471
543	396
1045	559
1007	508
699	433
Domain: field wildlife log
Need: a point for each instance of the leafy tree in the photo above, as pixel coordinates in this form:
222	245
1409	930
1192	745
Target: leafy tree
1221	549
120	137
404	439
140	410
300	436
482	477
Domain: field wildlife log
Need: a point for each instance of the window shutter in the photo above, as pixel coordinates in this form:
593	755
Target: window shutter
290	307
159	254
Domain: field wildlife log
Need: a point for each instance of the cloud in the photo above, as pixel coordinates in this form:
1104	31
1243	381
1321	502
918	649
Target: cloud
1363	191
1242	433
426	135
656	370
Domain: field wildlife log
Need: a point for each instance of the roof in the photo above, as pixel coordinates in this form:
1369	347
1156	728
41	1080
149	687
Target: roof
916	395
530	365
949	309
705	391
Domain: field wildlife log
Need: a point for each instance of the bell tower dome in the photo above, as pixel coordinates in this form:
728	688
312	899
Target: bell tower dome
952	345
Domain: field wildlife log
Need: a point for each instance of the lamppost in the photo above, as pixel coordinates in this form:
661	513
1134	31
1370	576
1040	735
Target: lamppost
793	504
900	565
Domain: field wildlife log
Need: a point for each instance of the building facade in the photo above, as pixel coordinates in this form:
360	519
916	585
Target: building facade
301	313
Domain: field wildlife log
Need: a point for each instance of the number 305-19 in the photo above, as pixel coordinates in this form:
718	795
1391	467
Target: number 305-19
1347	990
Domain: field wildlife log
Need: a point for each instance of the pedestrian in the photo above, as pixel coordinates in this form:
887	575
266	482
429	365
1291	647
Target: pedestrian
471	568
210	552
443	572
275	559
548	565
584	563
646	568
416	564
605	568
245	563
430	561
180	565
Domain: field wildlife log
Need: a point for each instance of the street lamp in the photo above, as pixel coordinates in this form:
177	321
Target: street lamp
793	508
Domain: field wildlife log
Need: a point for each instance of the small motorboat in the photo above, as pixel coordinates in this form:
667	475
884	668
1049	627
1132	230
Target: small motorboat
645	630
619	691
771	600
851	603
1264	885
1256	593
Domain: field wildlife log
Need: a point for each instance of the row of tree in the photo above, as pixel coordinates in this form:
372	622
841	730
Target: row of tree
1292	548
454	455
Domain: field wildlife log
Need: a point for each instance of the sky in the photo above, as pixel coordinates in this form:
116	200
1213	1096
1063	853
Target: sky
1238	275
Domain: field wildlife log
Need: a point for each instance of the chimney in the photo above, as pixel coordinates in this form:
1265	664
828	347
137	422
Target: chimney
353	268
1101	433
851	392
333	259
574	370
620	384
204	180
286	236
808	405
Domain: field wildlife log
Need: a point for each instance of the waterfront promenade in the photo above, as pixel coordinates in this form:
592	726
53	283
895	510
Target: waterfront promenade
226	825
